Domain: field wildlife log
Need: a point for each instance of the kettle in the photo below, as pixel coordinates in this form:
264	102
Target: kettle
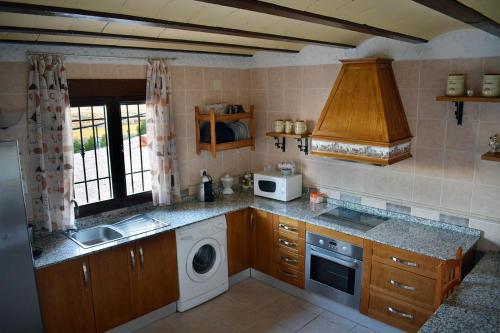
205	189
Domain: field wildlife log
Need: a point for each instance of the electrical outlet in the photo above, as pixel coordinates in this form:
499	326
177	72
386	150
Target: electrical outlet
203	171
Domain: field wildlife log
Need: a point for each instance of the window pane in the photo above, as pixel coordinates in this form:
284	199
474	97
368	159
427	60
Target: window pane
135	149
91	154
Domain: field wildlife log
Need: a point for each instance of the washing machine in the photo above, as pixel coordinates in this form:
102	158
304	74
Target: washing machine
202	262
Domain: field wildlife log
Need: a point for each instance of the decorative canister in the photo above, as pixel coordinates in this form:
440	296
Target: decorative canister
495	143
300	127
491	85
288	126
279	126
455	85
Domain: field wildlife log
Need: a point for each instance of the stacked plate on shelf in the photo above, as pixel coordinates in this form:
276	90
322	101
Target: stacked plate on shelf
240	130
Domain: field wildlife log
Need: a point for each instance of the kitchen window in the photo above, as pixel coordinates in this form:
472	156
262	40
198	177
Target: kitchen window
111	153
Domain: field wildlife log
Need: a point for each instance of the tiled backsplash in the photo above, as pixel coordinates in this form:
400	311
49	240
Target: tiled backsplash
446	172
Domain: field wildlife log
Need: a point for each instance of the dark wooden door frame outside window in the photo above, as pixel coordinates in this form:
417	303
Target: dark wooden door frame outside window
111	93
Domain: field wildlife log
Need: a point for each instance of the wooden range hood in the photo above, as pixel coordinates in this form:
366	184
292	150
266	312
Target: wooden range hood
363	119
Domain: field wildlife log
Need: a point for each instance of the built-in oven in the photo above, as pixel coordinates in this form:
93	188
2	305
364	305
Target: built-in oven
333	269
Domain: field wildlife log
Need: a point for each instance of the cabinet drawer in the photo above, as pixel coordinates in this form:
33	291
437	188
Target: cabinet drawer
411	287
289	259
288	275
296	245
405	260
288	227
397	313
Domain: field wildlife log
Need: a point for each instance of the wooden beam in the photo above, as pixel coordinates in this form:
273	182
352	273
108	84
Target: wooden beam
92	34
463	13
287	12
127	47
22	8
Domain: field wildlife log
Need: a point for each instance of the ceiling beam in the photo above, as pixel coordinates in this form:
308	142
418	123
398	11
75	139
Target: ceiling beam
290	13
22	8
463	13
127	47
79	33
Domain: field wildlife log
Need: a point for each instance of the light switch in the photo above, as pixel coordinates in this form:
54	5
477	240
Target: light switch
217	85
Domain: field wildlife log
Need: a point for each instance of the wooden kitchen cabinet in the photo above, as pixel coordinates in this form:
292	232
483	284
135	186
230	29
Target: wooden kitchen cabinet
238	241
65	295
262	241
132	280
113	272
158	282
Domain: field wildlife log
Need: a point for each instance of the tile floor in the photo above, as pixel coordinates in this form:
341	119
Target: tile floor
252	306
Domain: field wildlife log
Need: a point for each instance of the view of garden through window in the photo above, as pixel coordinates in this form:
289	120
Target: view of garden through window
92	176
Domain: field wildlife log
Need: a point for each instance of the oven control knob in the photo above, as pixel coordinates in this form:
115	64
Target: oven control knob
344	248
321	242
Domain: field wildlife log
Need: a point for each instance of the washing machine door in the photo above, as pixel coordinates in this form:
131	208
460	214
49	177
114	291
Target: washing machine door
204	259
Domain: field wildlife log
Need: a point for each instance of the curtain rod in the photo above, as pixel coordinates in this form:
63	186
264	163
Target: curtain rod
98	56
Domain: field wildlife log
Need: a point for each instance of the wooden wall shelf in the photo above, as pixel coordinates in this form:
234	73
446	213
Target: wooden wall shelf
459	103
212	118
491	157
281	144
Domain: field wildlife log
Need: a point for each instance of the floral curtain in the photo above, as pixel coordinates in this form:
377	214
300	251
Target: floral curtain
50	144
161	135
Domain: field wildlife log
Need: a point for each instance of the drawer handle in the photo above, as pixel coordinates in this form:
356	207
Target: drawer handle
289	260
403	262
402	286
85	275
399	313
289	274
132	259
287	243
286	227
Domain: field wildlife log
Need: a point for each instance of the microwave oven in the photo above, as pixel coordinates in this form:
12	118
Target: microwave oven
273	185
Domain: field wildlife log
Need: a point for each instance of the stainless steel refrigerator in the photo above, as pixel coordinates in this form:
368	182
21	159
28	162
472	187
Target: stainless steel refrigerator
19	309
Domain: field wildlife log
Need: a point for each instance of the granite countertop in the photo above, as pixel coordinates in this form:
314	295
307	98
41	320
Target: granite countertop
475	306
435	239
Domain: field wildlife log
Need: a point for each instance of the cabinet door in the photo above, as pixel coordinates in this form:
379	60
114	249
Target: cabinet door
157	283
238	241
262	241
113	272
65	296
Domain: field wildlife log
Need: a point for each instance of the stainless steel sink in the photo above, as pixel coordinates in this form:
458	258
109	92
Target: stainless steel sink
95	236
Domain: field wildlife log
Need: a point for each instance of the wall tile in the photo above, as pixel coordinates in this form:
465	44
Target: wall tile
104	71
425	213
399	186
179	101
459	165
461	137
454	220
293	77
14	84
428	107
398	208
430	133
178	77
210	75
14	102
259	79
456	195
487	172
230	97
375	181
244	79
193	78
230	79
486	129
276	75
491	65
429	162
292	100
485	200
134	72
434	73
427	190
406	73
78	71
490	112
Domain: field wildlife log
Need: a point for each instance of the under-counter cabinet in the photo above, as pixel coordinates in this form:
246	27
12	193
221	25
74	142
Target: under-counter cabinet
118	285
261	244
65	295
399	287
238	241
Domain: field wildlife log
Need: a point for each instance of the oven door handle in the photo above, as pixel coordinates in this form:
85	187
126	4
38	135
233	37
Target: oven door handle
335	260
